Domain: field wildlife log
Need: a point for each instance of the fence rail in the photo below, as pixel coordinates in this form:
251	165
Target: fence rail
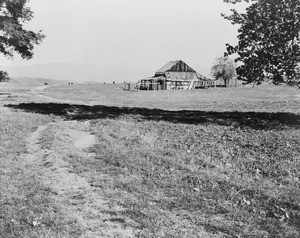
195	84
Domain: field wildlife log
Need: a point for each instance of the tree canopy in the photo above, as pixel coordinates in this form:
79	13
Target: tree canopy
13	36
4	76
224	69
269	42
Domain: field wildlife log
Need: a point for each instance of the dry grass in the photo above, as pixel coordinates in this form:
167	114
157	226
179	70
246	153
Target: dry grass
176	180
265	98
26	207
227	166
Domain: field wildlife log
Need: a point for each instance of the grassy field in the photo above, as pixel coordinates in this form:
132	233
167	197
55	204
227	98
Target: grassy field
207	163
260	98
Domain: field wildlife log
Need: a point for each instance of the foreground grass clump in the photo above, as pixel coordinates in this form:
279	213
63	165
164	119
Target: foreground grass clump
180	180
26	209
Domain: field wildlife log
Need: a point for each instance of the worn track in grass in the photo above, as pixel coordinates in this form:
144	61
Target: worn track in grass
50	149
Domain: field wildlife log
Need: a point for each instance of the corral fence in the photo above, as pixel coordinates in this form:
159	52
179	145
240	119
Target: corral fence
205	84
128	86
150	86
175	85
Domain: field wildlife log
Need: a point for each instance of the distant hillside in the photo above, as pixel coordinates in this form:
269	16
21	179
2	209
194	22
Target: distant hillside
27	81
77	72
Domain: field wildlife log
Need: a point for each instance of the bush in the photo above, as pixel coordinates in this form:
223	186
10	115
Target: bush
4	76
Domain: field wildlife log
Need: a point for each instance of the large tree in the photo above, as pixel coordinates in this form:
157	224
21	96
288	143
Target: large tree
13	36
269	42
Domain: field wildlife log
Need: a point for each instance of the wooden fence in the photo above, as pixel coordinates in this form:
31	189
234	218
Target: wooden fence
150	86
195	84
130	86
205	84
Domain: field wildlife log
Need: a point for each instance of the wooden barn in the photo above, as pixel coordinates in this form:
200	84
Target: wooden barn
175	75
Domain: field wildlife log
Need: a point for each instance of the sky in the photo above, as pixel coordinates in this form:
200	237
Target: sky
129	34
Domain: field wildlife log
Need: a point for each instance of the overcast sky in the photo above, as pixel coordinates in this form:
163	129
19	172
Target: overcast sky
132	34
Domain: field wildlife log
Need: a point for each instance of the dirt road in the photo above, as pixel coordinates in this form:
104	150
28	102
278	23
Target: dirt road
51	149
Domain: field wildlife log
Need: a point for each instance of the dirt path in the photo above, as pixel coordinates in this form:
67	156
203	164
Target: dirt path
38	91
51	151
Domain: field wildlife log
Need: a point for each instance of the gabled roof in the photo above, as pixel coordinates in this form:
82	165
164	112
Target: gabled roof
201	77
178	70
175	66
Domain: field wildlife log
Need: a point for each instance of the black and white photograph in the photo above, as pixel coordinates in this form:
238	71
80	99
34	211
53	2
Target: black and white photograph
149	119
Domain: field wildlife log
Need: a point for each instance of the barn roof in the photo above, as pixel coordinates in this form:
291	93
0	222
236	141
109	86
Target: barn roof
175	66
178	70
201	77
